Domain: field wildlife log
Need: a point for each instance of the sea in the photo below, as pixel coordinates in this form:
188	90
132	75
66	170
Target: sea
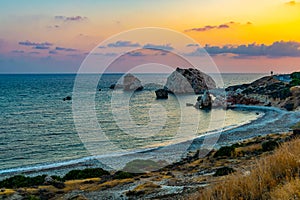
39	129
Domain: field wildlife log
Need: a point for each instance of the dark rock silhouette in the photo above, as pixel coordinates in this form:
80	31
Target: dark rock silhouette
68	98
115	86
161	94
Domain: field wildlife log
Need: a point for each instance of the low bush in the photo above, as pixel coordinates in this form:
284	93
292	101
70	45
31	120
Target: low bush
269	145
22	181
226	151
295	82
85	173
224	171
295	79
295	75
123	175
141	166
57	178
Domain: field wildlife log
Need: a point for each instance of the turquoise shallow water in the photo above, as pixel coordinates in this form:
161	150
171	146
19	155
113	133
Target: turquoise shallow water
37	126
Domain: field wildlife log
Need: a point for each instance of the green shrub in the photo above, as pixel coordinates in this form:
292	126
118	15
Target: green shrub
123	175
295	75
296	126
295	82
57	178
224	171
295	79
22	181
141	166
32	197
225	151
86	173
269	145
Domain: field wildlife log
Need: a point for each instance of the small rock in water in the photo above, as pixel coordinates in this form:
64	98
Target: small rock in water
68	98
161	94
204	101
112	86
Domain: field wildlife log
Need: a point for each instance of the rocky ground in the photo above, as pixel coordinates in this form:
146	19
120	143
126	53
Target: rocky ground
177	181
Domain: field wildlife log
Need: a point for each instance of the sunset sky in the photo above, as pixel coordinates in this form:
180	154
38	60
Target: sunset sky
240	36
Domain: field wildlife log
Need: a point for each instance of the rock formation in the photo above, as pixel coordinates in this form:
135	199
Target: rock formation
190	80
132	83
204	101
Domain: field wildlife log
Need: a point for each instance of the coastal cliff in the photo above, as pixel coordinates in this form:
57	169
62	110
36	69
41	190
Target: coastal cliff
281	91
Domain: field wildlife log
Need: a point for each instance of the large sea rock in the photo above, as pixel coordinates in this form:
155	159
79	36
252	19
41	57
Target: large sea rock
131	83
183	81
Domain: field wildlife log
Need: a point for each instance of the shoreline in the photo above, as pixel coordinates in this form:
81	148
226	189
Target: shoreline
182	179
257	127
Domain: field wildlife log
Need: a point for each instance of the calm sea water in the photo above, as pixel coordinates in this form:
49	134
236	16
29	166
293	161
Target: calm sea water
37	126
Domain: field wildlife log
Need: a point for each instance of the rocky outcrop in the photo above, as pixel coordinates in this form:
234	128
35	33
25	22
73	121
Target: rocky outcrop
219	102
183	81
132	83
204	101
278	91
293	102
161	94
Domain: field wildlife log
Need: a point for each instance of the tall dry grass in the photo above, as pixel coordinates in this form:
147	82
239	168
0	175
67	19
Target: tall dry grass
270	175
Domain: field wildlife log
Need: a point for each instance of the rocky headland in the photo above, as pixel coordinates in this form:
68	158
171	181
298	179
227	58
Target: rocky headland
282	91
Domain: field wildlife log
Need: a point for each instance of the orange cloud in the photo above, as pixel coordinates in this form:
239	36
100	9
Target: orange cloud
212	27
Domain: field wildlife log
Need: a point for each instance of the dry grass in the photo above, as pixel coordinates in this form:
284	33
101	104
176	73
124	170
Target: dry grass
269	172
109	184
290	190
6	192
79	184
144	188
240	151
